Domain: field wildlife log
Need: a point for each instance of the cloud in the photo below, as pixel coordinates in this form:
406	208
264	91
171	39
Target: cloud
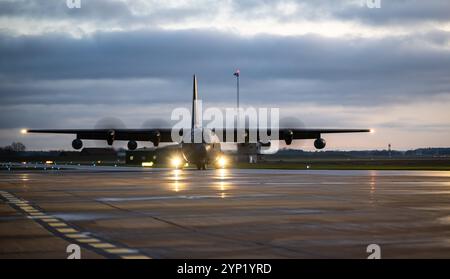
248	17
330	63
156	66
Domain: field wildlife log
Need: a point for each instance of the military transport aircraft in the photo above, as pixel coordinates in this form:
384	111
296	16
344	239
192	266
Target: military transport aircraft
208	151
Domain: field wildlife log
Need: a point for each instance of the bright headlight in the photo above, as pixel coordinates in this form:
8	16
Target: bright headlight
176	162
222	161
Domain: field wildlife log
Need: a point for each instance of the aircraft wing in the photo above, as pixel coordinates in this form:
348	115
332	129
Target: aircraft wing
164	135
289	134
316	133
159	135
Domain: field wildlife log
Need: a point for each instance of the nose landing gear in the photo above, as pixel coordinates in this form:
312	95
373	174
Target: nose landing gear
201	166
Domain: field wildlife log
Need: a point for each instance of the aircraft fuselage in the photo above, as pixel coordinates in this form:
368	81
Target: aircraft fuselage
207	151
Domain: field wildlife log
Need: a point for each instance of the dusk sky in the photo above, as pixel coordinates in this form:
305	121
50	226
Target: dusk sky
329	64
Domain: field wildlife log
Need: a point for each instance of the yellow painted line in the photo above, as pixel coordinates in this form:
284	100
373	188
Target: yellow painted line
58	224
31	210
41	217
66	230
70	232
88	240
102	245
50	220
36	213
76	235
135	257
120	251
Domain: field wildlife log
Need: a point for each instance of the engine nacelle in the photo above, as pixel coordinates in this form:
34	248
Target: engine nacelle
77	144
110	137
132	145
156	138
320	143
288	137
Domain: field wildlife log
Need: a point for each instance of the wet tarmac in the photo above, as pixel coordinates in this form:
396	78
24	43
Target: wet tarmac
114	212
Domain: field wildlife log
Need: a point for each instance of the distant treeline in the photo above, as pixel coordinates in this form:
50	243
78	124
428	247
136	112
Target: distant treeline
420	152
17	153
87	154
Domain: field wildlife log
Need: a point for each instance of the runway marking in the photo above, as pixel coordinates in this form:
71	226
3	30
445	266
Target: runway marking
58	224
88	240
135	257
42	217
49	220
36	213
31	210
120	251
76	235
102	245
21	203
68	232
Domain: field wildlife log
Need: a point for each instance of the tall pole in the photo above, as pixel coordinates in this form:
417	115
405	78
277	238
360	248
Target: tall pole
237	80
237	73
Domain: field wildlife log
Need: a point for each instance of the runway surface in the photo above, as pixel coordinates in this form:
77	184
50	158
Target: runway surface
156	213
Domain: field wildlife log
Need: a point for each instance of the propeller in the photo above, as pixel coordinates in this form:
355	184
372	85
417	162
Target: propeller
156	123
111	123
292	123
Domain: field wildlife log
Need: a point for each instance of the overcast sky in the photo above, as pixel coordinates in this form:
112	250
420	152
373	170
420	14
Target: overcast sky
324	63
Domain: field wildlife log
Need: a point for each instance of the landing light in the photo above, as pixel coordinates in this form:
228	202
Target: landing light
24	131
49	162
372	131
222	161
176	162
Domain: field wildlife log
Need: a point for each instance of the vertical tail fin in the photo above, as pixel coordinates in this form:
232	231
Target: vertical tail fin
195	121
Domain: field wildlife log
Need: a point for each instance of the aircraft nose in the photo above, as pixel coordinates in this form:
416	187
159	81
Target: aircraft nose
200	148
